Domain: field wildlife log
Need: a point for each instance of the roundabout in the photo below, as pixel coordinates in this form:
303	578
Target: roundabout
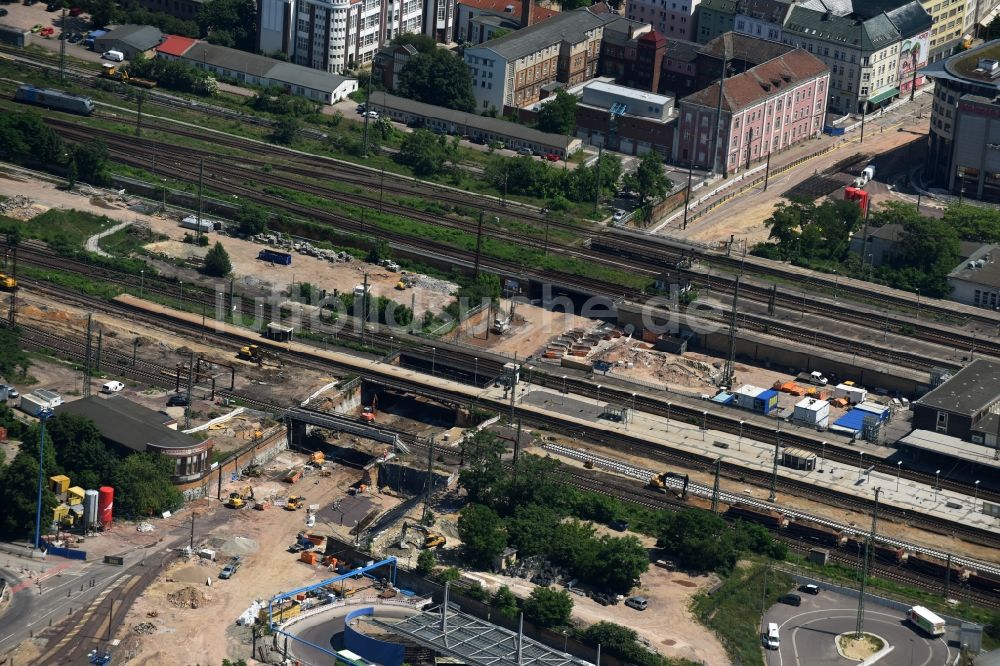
809	634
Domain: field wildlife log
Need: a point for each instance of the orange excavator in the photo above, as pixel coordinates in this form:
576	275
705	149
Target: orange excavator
368	413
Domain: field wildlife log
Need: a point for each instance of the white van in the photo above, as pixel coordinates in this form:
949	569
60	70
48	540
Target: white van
771	640
116	56
112	387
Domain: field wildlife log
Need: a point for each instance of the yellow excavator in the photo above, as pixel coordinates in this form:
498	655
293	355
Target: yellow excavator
294	502
239	499
118	73
659	482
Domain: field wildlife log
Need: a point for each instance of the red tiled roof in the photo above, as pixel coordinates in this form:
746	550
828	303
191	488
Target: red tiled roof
763	81
538	14
175	45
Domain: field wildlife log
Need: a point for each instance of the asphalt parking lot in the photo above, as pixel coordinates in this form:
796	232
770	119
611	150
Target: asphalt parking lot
808	632
23	16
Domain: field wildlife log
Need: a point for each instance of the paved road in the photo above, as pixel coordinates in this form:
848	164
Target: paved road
808	633
321	629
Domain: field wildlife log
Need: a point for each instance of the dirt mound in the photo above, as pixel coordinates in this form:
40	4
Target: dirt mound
188	597
189	574
686	583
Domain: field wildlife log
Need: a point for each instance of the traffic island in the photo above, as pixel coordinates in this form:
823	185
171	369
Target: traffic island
868	649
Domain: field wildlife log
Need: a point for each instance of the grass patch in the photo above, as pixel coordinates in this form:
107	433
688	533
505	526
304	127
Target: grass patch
733	611
63	228
127	241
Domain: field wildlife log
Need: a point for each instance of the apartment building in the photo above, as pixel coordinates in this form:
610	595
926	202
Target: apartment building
952	21
761	18
334	35
715	17
872	55
766	109
509	72
477	21
674	18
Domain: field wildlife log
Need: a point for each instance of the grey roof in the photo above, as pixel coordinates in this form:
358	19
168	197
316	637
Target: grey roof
721	6
306	77
474	641
911	19
968	391
746	47
988	424
988	659
566	26
988	275
863	9
679	50
263	67
962	67
139	37
496	126
773	11
129	424
873	34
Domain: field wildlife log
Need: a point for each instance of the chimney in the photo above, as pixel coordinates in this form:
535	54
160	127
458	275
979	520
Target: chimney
526	7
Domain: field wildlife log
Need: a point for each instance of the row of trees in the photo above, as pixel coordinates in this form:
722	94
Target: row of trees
435	76
26	139
73	446
820	235
225	22
174	75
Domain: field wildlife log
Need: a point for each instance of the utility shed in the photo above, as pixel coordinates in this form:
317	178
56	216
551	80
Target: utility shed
812	412
798	459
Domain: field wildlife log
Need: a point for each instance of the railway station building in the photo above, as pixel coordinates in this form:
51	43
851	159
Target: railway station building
129	425
960	404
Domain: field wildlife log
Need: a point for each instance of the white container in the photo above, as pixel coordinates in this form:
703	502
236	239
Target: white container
745	395
854	394
812	412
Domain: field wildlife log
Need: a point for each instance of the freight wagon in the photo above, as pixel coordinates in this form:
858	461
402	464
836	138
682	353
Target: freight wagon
807	529
934	566
985	581
881	551
55	99
771	519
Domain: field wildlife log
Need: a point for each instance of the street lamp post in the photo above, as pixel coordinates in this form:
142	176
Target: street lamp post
599	396
937	483
861	465
975	498
899	468
43	416
434	352
142	279
475	373
180	284
739	442
669	405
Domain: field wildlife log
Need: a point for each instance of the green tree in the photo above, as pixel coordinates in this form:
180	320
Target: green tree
217	262
426	561
103	12
80	451
238	662
229	22
143	486
974	223
13	361
424	152
631	561
286	130
575	547
484	471
92	161
482	533
505	602
421	42
548	607
439	78
19	489
559	115
619	641
649	179
448	575
252	219
531	527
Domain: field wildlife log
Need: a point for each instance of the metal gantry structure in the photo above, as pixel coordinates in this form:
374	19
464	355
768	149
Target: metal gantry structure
860	626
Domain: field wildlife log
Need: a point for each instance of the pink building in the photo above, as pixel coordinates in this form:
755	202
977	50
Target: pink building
674	18
765	110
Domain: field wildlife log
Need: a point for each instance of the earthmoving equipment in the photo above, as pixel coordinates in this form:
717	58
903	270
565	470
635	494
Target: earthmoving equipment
116	72
294	502
317	459
368	413
259	355
238	499
659	482
292	475
7	283
434	540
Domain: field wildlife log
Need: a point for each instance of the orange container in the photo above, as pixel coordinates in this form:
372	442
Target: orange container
309	557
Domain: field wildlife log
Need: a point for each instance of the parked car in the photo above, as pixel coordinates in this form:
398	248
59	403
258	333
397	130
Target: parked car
791	600
619	525
525	151
618	216
177	400
116	56
112	387
361	108
231	568
638	603
809	589
37	28
11	391
603	599
75	38
552	157
3	12
373	115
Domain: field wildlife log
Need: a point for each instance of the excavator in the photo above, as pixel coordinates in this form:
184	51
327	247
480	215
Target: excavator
118	73
368	413
659	482
238	499
431	539
255	354
294	502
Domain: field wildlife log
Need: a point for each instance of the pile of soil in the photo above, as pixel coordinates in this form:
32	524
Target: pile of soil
188	597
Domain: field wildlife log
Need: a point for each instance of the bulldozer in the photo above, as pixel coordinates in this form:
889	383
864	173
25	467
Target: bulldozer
238	499
116	72
294	502
659	482
435	540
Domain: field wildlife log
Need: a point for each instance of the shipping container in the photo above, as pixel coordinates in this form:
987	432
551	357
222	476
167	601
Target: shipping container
812	412
32	405
275	257
191	222
51	397
854	394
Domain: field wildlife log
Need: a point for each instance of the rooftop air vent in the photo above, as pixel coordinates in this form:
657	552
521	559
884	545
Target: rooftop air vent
509	9
988	65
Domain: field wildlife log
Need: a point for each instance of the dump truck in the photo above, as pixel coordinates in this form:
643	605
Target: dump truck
116	72
294	503
292	475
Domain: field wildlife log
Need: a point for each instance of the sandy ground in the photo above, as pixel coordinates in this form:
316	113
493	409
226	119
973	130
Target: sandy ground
208	634
428	294
531	329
